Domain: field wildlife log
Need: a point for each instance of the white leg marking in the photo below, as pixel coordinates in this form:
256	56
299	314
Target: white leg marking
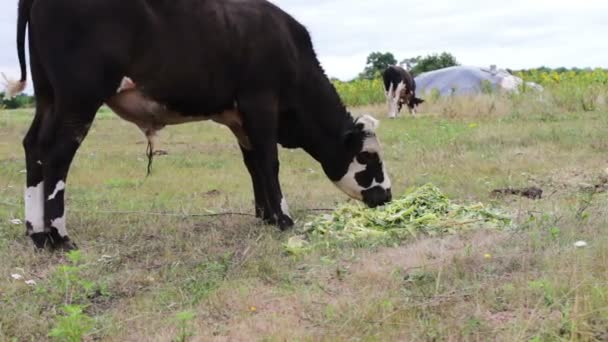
39	162
396	98
59	224
34	207
60	186
285	207
390	95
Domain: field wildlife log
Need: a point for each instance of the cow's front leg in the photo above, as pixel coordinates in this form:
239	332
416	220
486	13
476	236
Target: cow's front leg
413	111
261	203
261	123
267	164
390	101
60	150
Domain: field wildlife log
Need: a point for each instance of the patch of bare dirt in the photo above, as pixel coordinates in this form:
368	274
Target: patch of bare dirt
531	192
262	310
252	313
576	179
429	253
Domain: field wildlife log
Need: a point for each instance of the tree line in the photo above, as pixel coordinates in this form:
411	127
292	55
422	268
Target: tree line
377	62
19	101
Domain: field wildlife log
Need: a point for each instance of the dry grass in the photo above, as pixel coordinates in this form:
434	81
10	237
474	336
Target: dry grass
231	272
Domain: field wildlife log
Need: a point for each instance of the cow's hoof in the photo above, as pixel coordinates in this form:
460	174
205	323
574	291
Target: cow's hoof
53	241
61	243
70	246
66	246
41	240
285	222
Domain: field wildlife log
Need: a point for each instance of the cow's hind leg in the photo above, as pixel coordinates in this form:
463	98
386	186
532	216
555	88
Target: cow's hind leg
260	113
34	190
390	94
61	138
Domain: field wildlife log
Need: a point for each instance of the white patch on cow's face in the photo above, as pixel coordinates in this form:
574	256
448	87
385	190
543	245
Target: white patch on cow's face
59	224
370	124
285	207
60	186
34	207
349	183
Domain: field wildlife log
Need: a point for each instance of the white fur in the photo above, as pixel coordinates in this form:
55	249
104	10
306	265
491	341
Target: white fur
349	184
34	207
285	207
60	186
12	88
370	124
395	100
371	144
59	224
125	84
389	99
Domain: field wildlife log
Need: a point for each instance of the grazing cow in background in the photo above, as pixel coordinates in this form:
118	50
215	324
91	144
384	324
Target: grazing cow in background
400	89
245	64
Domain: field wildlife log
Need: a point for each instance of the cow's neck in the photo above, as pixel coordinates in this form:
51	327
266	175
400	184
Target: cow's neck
321	123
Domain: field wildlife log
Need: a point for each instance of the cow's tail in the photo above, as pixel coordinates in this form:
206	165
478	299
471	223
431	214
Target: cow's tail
13	88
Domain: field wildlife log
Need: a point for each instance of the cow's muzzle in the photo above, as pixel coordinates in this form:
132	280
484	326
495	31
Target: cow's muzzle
376	196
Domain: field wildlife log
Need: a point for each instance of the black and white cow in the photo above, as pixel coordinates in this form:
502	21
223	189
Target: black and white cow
245	64
400	89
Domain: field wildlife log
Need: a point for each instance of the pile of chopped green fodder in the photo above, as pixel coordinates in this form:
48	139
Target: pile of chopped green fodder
424	210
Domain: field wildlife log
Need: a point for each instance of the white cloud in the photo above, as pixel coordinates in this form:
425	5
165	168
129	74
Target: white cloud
516	34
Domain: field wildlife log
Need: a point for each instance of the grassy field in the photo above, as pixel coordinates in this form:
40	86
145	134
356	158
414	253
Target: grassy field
151	269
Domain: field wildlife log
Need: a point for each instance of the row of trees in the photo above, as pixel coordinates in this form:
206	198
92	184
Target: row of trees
377	62
560	70
19	101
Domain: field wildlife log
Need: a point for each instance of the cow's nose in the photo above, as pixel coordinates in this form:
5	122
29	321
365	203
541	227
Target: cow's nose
376	196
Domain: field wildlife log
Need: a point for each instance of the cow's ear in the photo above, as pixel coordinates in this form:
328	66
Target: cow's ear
418	101
367	124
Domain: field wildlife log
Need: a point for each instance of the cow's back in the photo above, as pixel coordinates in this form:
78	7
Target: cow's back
192	55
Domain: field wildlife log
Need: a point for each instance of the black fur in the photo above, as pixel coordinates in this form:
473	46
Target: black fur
394	75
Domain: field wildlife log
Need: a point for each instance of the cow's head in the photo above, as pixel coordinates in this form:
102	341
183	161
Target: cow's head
362	173
414	102
408	98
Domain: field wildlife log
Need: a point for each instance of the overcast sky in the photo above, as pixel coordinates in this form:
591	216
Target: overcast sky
512	34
